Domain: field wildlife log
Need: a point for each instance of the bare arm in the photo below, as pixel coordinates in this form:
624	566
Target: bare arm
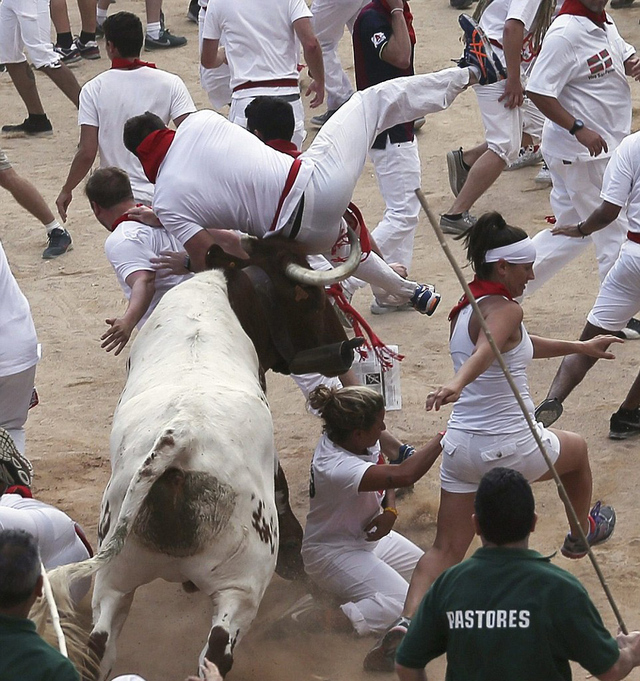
179	119
629	657
313	56
390	476
80	166
632	67
142	285
594	347
212	54
512	38
408	674
397	51
383	523
601	217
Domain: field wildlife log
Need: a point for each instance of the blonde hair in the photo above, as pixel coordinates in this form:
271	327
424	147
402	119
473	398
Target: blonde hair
540	24
344	410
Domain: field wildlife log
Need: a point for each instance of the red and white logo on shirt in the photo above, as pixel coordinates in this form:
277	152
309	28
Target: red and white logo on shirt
378	38
599	62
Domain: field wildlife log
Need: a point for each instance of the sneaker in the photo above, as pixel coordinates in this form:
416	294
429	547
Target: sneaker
548	411
602	522
404	452
15	469
384	308
381	658
59	243
543	178
458	171
193	11
29	128
88	50
632	330
625	423
165	41
418	123
478	53
68	55
619	4
461	4
457	225
425	299
319	120
528	156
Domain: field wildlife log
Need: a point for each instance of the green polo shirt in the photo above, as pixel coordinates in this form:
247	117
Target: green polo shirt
508	615
24	656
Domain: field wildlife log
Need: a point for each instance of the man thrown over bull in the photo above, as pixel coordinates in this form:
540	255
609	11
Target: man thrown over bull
212	177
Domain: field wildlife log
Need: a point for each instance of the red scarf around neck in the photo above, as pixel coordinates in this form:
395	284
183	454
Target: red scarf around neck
130	64
576	8
124	218
152	150
479	288
408	17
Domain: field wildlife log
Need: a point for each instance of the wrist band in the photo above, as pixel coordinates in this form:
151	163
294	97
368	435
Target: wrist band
397	9
391	509
187	263
579	228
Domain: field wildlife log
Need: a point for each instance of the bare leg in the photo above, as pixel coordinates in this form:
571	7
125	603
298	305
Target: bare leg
25	83
87	15
632	400
470	156
484	172
153	9
60	16
65	80
26	195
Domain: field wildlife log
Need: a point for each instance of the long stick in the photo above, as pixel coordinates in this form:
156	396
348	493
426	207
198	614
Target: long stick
534	431
53	609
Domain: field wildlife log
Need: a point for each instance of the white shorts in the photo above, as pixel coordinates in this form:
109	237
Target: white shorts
26	24
619	296
466	457
503	127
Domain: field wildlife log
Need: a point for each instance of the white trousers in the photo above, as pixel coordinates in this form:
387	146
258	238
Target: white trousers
26	24
329	19
575	195
215	82
397	168
15	396
374	583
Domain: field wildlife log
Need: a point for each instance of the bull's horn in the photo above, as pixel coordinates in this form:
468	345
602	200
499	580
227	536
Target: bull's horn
327	277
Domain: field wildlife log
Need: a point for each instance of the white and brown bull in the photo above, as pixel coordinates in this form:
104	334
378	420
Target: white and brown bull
191	497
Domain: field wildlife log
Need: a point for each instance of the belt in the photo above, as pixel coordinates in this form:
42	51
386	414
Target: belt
633	236
277	82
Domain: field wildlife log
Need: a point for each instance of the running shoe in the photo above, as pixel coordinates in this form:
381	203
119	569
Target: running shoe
425	299
15	469
458	170
602	522
625	423
404	452
548	411
478	53
632	330
543	178
379	308
528	156
68	55
30	127
319	120
381	658
165	41
458	225
88	50
59	243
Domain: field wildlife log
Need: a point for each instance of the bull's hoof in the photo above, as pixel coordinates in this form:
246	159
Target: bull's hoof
289	565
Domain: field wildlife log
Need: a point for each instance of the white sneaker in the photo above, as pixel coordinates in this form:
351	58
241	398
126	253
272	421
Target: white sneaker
543	178
529	156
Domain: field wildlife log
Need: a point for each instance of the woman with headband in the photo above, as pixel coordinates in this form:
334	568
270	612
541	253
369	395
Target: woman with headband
487	427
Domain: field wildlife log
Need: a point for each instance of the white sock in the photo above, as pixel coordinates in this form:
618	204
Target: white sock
153	30
53	225
101	15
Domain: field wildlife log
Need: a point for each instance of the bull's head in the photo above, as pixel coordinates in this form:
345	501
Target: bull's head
283	308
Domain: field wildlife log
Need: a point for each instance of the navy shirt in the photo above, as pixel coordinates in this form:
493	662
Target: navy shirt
371	32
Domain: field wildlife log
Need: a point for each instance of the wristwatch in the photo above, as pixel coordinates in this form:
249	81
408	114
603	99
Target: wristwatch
577	125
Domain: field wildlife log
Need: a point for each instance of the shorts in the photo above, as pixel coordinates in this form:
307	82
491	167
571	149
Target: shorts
466	457
503	127
619	296
4	161
26	24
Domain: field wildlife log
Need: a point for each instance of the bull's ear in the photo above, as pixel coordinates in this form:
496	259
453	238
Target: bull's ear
219	259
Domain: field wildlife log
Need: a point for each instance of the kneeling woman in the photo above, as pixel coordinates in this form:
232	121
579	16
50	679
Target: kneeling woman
349	546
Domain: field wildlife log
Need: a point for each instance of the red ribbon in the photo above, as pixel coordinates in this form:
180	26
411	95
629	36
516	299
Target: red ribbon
130	64
21	490
576	8
152	150
479	288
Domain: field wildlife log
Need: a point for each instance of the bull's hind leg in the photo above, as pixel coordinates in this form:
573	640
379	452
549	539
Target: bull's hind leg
289	565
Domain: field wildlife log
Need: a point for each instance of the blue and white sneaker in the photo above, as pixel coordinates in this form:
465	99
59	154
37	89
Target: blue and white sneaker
425	299
404	452
602	522
478	53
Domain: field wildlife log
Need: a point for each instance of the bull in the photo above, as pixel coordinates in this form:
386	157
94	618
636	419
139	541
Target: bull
191	497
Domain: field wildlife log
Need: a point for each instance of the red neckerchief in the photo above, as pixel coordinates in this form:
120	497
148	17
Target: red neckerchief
408	17
130	64
21	490
479	288
576	8
124	218
152	150
284	147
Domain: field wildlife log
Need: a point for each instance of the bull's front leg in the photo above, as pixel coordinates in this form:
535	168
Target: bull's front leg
289	565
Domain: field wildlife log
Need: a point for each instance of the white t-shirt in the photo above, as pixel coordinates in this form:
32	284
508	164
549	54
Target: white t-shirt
112	97
621	183
218	175
582	66
338	513
260	42
18	343
499	12
130	248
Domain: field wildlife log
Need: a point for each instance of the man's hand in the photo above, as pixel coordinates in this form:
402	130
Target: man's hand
62	203
117	336
592	140
443	395
174	261
317	90
145	215
513	95
209	672
568	230
380	526
632	68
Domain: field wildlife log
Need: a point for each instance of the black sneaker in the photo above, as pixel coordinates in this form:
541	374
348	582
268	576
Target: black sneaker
548	411
461	4
602	522
165	41
88	50
29	128
478	53
625	423
319	120
59	243
193	11
381	658
632	330
68	55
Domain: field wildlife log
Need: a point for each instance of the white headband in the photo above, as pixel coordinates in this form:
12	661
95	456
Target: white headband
517	253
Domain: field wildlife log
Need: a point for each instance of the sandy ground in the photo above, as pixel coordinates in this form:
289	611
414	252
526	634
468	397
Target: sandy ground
79	383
